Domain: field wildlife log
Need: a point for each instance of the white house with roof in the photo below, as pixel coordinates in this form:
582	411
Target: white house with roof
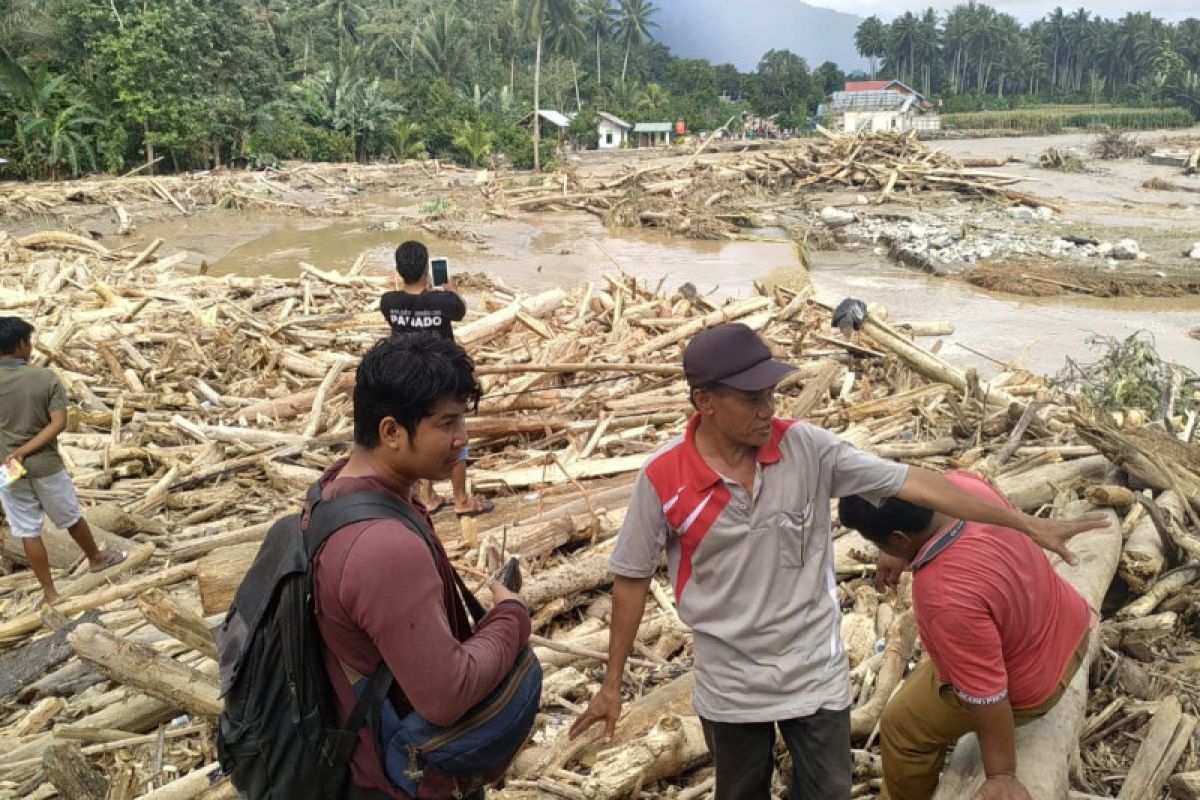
613	132
653	134
880	106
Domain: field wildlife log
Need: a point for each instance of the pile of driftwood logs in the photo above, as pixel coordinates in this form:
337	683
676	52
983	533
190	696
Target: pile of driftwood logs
203	407
711	198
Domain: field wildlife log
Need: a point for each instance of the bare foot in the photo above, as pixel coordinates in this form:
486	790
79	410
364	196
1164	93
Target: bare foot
108	559
49	599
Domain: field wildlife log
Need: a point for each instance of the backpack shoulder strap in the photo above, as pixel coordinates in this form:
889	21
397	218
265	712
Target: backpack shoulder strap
327	517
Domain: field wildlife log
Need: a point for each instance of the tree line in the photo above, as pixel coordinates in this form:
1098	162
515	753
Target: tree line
978	57
110	86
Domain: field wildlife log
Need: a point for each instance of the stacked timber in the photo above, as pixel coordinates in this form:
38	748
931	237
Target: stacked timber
203	407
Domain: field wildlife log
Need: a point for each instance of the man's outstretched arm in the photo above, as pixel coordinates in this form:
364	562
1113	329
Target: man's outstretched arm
933	490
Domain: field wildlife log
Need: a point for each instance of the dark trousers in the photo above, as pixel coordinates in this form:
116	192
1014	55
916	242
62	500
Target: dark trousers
822	768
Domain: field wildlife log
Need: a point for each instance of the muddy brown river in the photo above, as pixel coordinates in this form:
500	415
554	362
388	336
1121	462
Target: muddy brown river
562	250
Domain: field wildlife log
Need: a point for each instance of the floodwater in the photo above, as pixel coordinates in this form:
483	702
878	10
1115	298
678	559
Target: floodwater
564	250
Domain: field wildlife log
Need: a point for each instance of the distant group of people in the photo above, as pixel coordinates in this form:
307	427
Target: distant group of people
740	504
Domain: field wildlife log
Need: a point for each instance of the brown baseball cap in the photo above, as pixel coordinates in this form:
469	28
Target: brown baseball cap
732	355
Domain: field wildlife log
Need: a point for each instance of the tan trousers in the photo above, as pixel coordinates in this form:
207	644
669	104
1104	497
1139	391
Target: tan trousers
926	716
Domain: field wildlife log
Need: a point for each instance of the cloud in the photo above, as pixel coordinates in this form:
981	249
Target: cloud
1026	10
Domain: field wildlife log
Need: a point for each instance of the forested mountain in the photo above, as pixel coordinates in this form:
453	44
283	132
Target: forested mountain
739	33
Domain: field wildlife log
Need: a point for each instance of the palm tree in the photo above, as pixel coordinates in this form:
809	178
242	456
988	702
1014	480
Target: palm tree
568	40
929	47
54	124
634	21
542	16
598	21
653	98
474	140
904	35
347	15
406	140
871	41
439	44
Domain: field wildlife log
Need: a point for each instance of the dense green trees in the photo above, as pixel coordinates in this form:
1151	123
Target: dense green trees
973	50
113	84
186	84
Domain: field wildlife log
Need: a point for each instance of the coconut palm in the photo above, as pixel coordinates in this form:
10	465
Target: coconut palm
54	124
439	43
871	41
474	140
568	39
347	16
541	17
598	16
634	21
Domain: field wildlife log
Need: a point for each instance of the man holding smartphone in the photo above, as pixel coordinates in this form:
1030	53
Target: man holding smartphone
420	307
430	306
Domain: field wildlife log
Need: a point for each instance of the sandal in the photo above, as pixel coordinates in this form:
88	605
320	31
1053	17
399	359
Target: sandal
109	559
481	507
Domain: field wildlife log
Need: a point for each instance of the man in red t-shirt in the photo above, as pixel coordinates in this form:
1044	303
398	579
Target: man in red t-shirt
1004	633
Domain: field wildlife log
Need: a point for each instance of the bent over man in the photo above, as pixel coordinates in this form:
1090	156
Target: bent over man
1005	635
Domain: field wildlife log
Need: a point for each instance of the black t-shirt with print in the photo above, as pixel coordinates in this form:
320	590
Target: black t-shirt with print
428	311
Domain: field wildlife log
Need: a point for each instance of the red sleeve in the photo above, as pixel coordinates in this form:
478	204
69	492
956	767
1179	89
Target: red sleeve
964	644
390	588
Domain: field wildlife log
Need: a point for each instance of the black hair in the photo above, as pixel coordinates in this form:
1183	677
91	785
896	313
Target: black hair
876	522
412	260
711	387
404	377
14	331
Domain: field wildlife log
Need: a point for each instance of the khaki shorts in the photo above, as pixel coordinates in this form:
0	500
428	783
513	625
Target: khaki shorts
29	501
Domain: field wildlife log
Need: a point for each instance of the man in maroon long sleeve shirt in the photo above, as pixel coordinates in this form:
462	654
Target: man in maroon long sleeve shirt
380	592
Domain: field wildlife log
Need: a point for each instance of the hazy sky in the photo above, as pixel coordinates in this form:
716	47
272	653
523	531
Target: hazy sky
1023	9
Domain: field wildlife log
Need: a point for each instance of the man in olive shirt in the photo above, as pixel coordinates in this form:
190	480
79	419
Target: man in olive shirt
33	412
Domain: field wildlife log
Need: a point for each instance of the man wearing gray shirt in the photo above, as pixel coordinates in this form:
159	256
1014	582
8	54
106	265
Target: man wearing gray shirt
741	505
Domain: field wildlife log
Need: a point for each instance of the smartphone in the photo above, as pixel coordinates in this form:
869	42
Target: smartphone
510	574
440	267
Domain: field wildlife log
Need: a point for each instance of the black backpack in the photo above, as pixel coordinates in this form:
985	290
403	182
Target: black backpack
279	735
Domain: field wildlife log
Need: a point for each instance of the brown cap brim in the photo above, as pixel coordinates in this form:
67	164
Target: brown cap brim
762	375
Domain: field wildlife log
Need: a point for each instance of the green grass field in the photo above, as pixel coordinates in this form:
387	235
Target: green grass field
1056	119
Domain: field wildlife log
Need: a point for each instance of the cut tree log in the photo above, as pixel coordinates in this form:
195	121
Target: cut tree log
730	313
482	330
673	746
1185	786
32	621
1152	458
1168	733
1030	490
137	665
1166	586
190	786
925	362
1144	557
553	472
1045	746
588	571
673	698
71	773
902	636
29	661
220	573
161	611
